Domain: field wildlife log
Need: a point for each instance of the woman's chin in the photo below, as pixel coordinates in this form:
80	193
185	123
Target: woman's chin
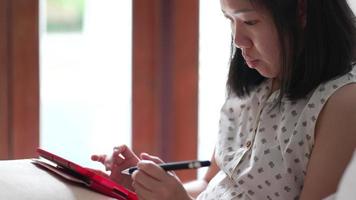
253	64
261	69
266	74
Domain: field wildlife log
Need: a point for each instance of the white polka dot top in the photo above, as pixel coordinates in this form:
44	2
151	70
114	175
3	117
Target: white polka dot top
262	150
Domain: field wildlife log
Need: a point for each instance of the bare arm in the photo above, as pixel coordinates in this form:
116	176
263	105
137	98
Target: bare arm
194	188
335	141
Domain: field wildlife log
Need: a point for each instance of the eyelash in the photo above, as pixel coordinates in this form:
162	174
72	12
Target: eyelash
249	23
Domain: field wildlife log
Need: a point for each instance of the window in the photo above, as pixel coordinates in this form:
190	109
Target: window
353	5
85	77
214	54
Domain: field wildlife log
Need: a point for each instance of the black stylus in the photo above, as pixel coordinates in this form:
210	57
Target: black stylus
175	166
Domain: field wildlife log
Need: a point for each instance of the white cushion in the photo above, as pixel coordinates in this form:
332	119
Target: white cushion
21	179
347	185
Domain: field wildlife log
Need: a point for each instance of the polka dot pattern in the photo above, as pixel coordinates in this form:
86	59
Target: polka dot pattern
263	150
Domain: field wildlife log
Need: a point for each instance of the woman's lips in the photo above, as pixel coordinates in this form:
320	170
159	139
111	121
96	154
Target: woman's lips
252	63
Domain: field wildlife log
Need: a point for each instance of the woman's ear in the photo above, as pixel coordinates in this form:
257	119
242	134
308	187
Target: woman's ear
302	12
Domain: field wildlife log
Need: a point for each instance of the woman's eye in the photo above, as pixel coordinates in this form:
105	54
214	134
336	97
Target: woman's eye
229	18
251	22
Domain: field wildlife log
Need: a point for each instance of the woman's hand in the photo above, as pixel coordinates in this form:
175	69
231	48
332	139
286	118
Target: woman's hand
121	158
151	182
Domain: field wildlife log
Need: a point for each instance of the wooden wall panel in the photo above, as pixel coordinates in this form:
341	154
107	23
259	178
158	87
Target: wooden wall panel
4	137
19	90
25	77
165	79
144	81
185	78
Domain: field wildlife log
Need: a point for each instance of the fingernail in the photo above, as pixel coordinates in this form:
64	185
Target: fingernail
144	154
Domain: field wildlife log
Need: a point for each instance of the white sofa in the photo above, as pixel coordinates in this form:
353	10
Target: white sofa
21	179
347	186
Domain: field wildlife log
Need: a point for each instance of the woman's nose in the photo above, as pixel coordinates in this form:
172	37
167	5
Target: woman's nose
241	38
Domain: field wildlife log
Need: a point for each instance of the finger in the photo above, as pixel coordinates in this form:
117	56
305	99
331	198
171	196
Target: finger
140	197
142	192
145	180
123	157
155	159
103	159
126	152
99	158
117	158
152	169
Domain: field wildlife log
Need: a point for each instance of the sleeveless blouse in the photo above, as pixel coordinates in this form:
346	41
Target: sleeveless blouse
263	150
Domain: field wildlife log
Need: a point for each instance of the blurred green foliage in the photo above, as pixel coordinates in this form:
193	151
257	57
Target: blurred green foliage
65	15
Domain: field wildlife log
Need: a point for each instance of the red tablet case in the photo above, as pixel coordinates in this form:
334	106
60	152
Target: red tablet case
76	173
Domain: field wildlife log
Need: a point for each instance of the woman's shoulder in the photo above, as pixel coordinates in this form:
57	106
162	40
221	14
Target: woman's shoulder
343	100
335	141
339	113
337	88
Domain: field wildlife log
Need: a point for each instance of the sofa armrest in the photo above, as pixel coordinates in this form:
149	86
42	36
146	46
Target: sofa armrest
347	185
21	179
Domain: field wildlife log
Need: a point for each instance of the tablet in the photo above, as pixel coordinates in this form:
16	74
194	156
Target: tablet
74	172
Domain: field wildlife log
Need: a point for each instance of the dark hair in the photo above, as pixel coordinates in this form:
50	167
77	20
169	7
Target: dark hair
323	50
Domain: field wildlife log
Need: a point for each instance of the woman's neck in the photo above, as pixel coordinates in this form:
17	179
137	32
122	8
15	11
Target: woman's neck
276	84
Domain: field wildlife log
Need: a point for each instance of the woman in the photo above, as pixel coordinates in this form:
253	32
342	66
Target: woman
287	128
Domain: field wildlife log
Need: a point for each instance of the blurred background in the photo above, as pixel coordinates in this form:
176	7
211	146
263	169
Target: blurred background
85	59
79	77
85	76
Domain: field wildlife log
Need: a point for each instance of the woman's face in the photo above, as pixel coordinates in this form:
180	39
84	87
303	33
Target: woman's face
255	34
